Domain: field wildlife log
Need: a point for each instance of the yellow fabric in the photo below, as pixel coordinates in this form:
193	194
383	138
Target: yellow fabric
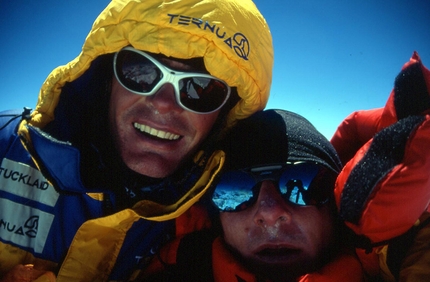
105	236
11	256
385	270
96	196
102	236
416	265
146	25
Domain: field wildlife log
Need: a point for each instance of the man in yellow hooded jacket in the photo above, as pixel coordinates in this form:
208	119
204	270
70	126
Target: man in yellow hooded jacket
120	142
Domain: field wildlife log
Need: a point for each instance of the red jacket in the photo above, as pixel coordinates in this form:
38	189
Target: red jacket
384	188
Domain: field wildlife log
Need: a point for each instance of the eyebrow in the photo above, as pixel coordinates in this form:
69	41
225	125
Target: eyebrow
192	64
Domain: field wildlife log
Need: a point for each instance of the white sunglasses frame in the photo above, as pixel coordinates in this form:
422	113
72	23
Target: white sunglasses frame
169	76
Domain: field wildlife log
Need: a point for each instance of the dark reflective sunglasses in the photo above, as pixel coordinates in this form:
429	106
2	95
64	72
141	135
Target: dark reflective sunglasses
299	183
141	74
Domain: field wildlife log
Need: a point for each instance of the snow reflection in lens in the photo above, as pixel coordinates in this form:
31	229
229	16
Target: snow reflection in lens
233	189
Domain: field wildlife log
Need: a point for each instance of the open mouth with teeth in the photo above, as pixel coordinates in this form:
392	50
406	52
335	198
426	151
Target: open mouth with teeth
160	134
277	254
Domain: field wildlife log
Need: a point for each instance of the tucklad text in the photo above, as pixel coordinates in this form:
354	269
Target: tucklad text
23	178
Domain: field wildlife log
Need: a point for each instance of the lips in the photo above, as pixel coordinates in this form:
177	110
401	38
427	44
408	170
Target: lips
276	253
155	132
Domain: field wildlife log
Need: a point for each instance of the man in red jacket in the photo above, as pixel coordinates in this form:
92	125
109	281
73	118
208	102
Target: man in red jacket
275	206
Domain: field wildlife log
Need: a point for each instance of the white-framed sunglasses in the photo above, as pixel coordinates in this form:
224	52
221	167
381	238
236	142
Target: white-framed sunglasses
141	74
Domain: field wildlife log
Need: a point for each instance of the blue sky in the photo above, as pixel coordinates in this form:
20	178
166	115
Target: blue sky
331	57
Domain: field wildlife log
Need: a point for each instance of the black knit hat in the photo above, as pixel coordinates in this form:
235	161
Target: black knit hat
277	136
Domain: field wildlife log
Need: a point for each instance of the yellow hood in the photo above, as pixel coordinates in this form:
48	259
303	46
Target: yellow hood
231	36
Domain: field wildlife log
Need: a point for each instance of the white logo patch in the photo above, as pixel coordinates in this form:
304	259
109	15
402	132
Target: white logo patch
24	181
23	225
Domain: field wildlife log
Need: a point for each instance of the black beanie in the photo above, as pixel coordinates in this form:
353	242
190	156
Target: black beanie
276	136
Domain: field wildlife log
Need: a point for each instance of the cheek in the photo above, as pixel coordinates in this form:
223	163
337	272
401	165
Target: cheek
234	229
320	227
203	123
120	99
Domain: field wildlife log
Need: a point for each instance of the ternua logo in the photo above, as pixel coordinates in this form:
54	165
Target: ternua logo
238	41
28	228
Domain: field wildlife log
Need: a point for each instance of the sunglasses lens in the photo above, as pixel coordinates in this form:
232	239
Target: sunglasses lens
301	184
136	72
234	191
202	94
304	184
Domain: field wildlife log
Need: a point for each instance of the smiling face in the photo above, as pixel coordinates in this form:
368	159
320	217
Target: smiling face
279	239
153	134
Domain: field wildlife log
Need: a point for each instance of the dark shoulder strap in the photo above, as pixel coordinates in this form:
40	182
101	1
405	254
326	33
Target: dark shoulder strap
194	257
399	246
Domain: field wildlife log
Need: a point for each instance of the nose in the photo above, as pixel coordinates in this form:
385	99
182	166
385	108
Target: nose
271	207
164	99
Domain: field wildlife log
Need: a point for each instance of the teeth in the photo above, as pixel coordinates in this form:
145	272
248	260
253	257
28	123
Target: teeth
157	133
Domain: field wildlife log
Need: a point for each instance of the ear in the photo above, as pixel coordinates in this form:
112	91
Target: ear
385	184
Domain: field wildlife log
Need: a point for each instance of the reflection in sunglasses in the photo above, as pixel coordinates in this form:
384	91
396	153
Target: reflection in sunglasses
301	184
